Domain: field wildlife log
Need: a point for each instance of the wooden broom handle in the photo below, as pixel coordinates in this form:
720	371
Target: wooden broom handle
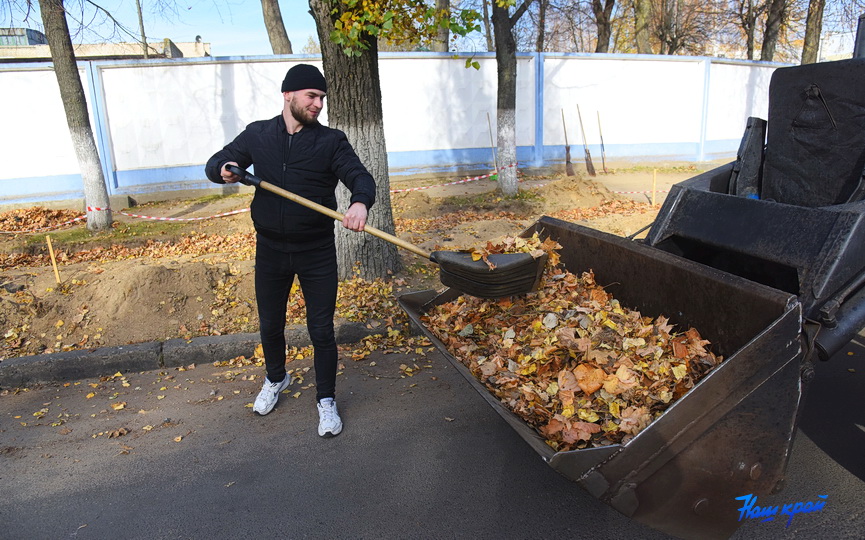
250	179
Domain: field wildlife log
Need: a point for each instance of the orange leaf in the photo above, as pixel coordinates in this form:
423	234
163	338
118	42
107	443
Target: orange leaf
579	431
589	379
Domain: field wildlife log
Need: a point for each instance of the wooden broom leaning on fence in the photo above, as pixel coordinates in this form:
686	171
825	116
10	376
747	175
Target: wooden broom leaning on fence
589	166
569	167
603	151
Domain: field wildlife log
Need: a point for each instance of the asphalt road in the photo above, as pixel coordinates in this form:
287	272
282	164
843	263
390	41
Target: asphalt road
420	457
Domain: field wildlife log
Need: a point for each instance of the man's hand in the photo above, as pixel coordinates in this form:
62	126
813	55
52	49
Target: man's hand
355	217
227	176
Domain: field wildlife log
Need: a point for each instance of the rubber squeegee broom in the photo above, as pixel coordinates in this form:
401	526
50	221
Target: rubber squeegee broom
514	273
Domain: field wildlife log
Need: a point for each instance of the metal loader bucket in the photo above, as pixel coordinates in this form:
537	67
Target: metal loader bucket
790	212
728	436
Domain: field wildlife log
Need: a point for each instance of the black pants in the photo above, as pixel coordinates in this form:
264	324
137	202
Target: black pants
274	274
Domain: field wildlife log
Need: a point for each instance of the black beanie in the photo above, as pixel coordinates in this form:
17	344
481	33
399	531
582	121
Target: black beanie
302	77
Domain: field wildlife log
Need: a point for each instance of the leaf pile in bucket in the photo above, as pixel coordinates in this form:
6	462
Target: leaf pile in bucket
571	361
516	244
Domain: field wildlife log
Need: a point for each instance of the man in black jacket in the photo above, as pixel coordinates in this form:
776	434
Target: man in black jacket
295	152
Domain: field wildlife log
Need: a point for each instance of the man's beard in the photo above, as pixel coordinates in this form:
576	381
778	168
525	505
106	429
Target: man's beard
301	115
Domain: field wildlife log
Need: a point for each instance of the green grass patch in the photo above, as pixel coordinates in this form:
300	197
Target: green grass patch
491	198
120	232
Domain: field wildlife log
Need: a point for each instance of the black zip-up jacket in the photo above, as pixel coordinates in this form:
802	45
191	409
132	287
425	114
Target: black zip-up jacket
309	163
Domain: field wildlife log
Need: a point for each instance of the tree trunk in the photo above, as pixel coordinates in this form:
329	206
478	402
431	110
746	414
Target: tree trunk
279	41
488	28
668	31
141	29
747	15
813	29
603	14
354	106
542	23
75	105
642	16
749	43
443	35
506	102
774	21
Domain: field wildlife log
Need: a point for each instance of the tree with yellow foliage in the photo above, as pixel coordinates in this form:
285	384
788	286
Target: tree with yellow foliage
349	32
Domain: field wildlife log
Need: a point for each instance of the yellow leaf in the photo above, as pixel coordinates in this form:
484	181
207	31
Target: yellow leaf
118	406
94	385
588	415
147	428
680	371
568	410
248	405
160	397
528	369
59	323
90	395
178	439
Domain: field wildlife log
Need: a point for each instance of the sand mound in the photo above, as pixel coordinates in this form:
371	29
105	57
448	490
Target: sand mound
573	192
138	301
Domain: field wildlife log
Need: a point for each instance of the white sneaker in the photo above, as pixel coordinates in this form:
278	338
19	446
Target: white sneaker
329	422
269	394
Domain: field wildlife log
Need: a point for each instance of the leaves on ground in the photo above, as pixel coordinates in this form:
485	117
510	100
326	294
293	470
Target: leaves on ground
228	305
34	218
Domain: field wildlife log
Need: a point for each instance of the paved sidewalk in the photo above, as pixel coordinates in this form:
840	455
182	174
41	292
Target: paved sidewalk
177	453
421	456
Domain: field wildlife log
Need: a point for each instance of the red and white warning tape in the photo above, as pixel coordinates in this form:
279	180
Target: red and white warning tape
646	191
464	181
233	212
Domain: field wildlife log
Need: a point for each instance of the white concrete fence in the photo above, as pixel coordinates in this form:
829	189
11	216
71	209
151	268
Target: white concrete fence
157	121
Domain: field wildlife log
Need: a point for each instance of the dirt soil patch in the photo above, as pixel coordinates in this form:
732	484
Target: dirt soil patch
148	281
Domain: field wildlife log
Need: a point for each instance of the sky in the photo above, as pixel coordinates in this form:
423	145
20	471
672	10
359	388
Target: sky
232	27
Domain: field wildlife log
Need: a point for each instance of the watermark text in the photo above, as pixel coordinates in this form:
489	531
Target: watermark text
750	509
